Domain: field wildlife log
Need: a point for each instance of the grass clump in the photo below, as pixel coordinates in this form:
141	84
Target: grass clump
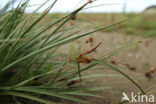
30	67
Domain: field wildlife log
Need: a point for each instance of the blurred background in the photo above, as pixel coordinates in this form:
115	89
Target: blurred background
100	5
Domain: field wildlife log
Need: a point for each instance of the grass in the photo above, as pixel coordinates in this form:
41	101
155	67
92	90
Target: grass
31	68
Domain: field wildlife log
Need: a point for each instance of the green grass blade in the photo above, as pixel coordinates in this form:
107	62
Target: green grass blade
118	70
58	44
108	55
28	96
78	67
50	93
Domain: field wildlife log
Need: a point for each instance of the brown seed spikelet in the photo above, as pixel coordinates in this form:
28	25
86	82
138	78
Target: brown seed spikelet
73	17
149	73
90	1
91	50
82	59
90	40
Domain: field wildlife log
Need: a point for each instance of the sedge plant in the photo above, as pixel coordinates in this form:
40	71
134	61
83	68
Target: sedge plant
29	65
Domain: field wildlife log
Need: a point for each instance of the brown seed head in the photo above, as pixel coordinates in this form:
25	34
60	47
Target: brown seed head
73	17
152	70
91	39
84	60
148	75
90	1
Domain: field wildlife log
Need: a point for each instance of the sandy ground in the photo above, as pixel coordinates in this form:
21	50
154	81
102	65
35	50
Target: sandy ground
135	62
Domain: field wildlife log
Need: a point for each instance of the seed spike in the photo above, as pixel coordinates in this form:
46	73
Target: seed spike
91	50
